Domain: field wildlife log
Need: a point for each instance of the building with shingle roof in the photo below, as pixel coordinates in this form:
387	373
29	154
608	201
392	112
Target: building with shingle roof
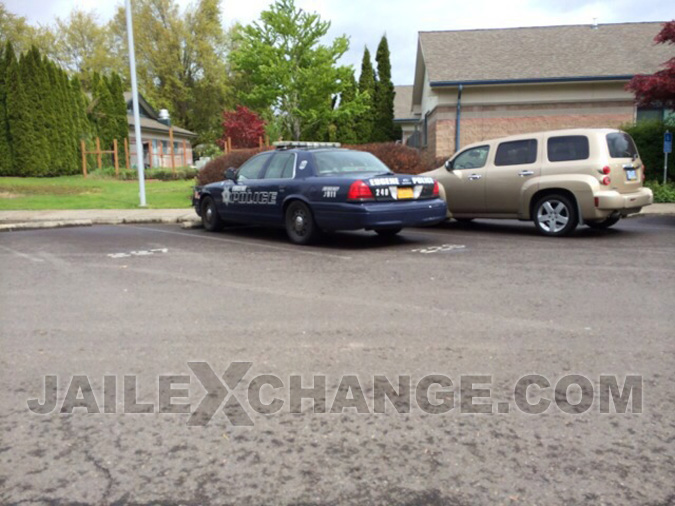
472	85
161	140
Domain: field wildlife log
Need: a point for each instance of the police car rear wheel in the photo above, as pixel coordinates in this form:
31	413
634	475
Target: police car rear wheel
210	218
300	225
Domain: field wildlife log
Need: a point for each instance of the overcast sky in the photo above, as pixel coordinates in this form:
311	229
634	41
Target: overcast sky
365	21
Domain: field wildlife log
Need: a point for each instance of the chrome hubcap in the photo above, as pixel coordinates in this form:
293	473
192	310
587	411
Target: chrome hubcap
299	223
209	213
553	216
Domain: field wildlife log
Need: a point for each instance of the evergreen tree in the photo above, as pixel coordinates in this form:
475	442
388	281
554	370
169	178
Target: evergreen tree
6	162
383	104
365	120
119	108
346	124
19	120
34	83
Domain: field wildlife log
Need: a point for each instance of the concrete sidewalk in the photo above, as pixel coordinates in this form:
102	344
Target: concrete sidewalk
25	220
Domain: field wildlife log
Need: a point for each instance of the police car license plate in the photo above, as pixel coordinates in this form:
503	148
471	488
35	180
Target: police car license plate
631	175
405	193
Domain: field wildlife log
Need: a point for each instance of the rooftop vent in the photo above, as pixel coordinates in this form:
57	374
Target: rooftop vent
164	117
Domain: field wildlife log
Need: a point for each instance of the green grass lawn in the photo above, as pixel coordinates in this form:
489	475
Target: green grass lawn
75	192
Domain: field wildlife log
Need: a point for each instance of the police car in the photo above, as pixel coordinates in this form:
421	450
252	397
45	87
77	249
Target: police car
312	187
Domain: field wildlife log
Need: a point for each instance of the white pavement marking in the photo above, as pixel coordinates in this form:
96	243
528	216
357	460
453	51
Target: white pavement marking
299	250
439	249
22	255
139	253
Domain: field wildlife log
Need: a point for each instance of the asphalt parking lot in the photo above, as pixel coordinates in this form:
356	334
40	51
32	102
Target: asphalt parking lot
492	299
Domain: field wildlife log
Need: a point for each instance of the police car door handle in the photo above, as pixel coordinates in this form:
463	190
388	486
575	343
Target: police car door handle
525	173
474	177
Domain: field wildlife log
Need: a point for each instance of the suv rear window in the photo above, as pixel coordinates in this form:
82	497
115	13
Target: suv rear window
621	145
516	152
566	148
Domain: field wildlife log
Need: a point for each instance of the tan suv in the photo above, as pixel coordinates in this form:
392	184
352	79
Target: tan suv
558	179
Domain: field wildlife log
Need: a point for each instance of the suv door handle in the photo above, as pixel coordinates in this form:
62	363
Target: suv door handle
474	177
525	173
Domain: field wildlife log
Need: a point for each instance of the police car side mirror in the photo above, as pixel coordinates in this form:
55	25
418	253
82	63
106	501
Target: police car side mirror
449	165
231	174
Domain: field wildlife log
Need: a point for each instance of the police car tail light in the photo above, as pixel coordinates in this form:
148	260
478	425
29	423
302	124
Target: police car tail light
435	192
359	191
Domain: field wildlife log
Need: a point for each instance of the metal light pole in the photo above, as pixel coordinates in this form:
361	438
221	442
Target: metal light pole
134	98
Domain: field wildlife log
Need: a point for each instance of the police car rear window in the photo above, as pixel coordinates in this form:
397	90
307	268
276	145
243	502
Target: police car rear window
331	163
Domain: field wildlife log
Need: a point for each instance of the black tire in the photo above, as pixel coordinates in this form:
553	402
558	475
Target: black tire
555	215
300	225
464	221
604	224
210	217
388	232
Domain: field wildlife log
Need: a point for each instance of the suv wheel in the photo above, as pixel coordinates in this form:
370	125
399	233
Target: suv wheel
604	224
210	217
555	215
300	225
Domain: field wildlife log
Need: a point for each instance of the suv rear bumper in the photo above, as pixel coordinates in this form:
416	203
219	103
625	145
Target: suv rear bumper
625	203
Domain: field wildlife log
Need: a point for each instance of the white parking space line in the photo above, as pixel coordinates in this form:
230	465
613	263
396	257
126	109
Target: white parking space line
443	248
22	255
139	253
299	250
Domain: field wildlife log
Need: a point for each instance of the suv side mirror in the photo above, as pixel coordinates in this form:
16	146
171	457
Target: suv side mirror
449	165
231	174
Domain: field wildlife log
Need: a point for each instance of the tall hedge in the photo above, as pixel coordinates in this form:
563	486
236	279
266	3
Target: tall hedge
43	115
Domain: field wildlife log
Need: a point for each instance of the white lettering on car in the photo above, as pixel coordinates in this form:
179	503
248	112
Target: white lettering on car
235	195
330	192
422	180
383	181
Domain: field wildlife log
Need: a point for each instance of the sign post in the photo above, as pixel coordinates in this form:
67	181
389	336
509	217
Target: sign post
667	148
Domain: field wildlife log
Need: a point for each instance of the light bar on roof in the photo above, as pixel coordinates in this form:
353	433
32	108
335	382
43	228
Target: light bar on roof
305	144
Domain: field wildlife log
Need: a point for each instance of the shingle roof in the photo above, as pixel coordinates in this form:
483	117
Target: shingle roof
540	53
149	124
403	102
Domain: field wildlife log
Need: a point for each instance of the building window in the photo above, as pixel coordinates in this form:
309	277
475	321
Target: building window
654	114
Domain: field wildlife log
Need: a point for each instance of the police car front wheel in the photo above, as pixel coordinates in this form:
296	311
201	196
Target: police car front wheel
300	225
210	217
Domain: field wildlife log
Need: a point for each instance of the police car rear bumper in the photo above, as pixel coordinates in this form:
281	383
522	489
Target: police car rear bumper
372	215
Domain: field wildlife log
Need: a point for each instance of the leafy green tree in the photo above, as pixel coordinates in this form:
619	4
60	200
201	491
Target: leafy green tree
84	46
288	73
15	29
383	103
365	120
180	59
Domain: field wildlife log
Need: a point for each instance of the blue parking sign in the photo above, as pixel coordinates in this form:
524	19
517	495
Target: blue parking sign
667	142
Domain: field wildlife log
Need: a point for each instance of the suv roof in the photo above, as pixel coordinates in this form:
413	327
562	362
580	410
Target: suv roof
529	135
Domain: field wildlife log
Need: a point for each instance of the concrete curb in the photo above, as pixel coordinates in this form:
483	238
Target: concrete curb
35	225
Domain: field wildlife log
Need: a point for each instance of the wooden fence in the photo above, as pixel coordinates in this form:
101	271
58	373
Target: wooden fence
261	144
99	155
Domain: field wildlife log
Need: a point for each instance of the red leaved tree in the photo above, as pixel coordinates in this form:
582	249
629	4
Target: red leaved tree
658	88
244	127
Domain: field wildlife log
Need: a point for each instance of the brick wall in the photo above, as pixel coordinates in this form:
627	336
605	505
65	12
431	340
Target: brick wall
487	122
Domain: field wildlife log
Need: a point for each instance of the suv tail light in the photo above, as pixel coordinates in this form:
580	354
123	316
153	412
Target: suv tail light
644	173
435	192
606	170
360	191
606	180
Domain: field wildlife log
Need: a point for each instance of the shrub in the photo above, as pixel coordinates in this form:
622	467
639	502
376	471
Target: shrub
244	127
400	158
663	193
648	136
214	170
